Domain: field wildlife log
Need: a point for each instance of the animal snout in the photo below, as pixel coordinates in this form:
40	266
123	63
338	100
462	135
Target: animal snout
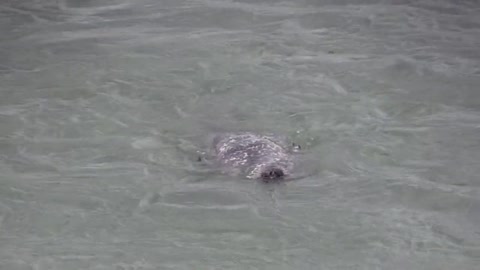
273	173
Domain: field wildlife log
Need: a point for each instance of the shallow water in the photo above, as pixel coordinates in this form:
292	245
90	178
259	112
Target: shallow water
105	104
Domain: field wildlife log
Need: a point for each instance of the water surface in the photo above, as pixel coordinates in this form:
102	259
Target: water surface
105	103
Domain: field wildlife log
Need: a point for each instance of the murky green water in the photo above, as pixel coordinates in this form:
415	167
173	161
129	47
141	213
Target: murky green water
104	104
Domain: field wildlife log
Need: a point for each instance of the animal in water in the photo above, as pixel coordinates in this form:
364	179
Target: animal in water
254	156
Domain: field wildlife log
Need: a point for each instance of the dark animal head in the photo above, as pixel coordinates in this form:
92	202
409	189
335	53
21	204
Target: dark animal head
272	173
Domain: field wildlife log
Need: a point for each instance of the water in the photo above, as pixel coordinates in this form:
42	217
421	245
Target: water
105	103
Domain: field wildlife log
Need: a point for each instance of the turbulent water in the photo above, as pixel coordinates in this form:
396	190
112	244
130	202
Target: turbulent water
104	105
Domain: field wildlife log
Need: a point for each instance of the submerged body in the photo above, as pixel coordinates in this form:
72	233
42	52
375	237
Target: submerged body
253	156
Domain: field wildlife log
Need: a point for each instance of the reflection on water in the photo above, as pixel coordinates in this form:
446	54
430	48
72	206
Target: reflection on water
105	105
